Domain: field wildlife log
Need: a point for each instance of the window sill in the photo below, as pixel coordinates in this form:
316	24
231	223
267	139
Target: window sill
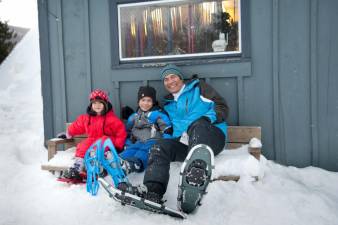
180	62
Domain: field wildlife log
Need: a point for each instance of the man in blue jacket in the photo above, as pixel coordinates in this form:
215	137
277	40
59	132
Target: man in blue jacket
198	115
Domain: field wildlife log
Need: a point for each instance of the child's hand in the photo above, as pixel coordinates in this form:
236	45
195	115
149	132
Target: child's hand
63	135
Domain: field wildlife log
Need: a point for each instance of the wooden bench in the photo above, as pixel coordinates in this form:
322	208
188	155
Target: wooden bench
237	136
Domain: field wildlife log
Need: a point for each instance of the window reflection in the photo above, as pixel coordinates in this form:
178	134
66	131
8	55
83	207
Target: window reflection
161	29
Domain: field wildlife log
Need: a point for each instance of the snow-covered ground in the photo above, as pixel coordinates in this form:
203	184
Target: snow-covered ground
30	196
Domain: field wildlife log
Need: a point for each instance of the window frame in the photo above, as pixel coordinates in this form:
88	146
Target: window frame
199	58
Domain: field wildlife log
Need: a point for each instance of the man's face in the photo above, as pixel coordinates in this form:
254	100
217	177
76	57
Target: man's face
173	83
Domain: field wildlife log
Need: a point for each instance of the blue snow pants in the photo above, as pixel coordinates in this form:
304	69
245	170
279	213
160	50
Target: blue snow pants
139	151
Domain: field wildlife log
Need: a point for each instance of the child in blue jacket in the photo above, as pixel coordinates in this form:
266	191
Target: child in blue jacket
144	127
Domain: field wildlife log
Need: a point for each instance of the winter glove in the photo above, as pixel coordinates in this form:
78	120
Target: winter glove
184	138
63	135
168	131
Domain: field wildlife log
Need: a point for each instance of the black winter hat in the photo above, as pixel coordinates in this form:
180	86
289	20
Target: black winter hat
146	91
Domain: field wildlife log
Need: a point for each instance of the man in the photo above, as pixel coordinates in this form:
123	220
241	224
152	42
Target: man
198	115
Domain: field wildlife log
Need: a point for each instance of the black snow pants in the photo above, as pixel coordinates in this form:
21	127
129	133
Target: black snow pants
165	151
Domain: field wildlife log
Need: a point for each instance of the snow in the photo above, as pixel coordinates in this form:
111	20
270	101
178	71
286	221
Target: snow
255	143
30	196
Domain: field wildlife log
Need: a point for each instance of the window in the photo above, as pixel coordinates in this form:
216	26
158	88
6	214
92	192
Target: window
178	28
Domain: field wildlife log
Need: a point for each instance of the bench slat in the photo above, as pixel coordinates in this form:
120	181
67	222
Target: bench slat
243	134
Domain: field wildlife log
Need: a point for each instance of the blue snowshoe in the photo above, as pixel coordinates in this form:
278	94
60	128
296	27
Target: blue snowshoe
93	167
111	162
97	160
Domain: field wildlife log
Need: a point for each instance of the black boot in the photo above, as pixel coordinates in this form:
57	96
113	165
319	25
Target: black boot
72	174
140	190
153	197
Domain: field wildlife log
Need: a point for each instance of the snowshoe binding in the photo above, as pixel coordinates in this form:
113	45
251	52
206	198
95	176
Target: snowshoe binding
195	175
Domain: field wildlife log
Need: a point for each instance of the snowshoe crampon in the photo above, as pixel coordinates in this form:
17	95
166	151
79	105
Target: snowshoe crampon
136	201
195	175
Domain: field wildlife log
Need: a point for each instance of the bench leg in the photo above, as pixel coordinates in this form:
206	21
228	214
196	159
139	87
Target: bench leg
255	152
51	150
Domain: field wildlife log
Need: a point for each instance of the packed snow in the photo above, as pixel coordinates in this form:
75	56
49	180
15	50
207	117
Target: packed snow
29	196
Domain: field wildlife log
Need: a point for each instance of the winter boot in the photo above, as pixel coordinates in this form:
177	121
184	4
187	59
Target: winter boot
140	191
154	197
195	176
73	176
127	187
75	173
131	165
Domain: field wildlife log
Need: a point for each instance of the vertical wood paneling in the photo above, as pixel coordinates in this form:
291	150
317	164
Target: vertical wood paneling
279	147
46	79
314	80
295	81
76	38
55	21
117	101
61	60
240	97
87	45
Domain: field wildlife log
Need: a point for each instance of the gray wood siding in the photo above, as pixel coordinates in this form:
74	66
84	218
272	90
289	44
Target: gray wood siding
288	82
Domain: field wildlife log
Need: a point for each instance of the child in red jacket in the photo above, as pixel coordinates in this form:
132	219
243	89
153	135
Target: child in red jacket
99	121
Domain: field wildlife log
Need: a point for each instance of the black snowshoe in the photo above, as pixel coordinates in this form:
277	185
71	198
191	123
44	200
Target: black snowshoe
195	175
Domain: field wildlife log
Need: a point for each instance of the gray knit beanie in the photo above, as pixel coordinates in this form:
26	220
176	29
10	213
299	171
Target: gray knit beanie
171	69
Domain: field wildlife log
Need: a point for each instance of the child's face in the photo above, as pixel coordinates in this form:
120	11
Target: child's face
145	103
98	107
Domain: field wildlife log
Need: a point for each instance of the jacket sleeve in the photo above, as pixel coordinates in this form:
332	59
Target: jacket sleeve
160	119
130	122
220	106
163	123
119	134
78	126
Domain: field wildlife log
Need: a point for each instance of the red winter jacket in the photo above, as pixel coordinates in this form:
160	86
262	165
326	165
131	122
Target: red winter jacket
96	127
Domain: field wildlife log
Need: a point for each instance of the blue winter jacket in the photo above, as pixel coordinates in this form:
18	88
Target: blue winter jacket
142	126
196	100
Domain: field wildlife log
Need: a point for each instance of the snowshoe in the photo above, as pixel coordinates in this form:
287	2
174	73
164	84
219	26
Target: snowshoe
110	161
101	159
195	175
93	167
137	199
